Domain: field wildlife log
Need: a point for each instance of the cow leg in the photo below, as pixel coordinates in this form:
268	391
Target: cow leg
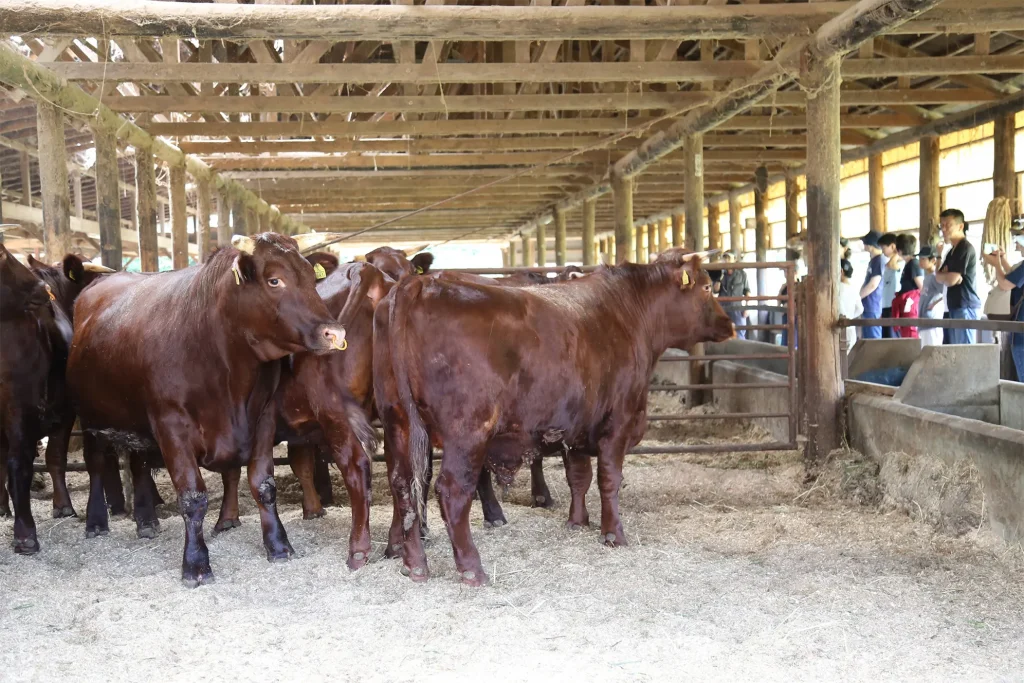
143	504
322	480
21	451
96	451
5	501
609	481
228	518
404	537
395	535
538	485
494	516
301	458
112	485
154	491
579	473
460	473
264	488
57	464
355	468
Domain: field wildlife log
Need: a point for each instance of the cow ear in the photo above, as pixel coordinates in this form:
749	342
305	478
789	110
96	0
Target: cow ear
422	262
244	268
73	269
687	270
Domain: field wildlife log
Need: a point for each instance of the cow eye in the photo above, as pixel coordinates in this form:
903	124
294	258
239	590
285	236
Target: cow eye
707	288
275	282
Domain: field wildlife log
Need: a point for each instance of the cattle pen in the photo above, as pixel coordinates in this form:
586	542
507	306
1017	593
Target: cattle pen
821	496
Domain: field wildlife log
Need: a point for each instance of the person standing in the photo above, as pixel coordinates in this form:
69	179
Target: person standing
1012	280
890	279
870	291
734	284
932	303
850	305
958	273
907	301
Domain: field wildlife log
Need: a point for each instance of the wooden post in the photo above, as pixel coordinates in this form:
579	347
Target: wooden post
542	244
76	184
929	190
663	238
203	230
714	226
589	220
761	224
735	226
108	199
652	241
622	197
223	220
876	193
819	337
527	250
639	233
511	254
179	217
26	179
53	180
693	190
505	259
792	207
560	248
145	210
1004	180
238	217
677	230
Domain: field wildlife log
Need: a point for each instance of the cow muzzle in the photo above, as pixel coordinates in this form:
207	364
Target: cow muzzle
333	337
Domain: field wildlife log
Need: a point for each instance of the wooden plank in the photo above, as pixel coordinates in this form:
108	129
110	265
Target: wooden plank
53	181
108	200
468	23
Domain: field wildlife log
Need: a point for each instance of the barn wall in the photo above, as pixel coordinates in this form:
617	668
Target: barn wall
752	400
1011	404
930	461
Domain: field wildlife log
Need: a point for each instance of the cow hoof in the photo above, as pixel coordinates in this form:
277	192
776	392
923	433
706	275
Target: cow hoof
225	525
93	533
357	561
494	524
148	530
417	574
392	551
613	541
576	526
65	511
315	514
5	511
200	578
26	546
543	502
282	554
118	509
474	579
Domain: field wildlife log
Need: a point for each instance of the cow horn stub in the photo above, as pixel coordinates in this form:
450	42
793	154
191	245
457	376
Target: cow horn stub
243	243
702	255
96	268
308	240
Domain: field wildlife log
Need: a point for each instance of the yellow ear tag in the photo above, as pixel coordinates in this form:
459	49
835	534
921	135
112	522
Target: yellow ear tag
50	292
238	274
685	279
71	275
419	271
319	271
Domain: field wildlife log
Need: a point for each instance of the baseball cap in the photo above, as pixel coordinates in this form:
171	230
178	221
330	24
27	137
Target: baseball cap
871	239
928	252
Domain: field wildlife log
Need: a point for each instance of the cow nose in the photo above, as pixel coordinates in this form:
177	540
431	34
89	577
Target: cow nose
335	336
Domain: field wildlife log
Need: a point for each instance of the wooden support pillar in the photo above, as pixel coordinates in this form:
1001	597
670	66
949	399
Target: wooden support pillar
1004	180
652	241
735	226
622	197
819	337
792	207
527	250
145	210
505	258
560	248
511	254
761	224
238	217
639	233
223	220
928	189
876	194
663	239
53	179
26	179
203	230
693	190
76	185
179	217
677	230
589	220
542	244
264	221
714	226
108	198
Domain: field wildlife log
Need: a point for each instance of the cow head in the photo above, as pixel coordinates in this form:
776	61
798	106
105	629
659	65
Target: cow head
396	265
570	273
68	278
276	304
21	292
692	314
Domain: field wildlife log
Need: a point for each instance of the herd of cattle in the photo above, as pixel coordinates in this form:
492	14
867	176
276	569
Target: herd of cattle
212	365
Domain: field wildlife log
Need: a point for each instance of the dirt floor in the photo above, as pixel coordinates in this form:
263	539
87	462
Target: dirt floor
737	570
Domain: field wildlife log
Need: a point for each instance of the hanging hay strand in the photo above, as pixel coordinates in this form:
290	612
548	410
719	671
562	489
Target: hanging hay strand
998	220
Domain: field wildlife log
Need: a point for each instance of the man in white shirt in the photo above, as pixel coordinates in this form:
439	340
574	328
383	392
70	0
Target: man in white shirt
850	305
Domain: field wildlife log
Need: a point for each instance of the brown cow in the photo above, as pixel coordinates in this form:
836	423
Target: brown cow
396	265
186	361
493	374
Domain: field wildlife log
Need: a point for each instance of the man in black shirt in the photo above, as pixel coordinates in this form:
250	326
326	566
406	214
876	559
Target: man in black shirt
958	273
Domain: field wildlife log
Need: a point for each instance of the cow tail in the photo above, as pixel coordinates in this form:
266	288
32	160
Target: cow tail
359	423
419	441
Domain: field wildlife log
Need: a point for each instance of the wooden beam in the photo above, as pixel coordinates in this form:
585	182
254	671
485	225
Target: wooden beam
693	190
714	227
928	190
108	199
179	217
735	226
589	220
203	228
26	178
223	220
677	230
792	206
53	179
663	239
639	242
876	194
527	250
622	196
470	23
146	208
1004	180
929	66
542	244
560	252
761	225
819	338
